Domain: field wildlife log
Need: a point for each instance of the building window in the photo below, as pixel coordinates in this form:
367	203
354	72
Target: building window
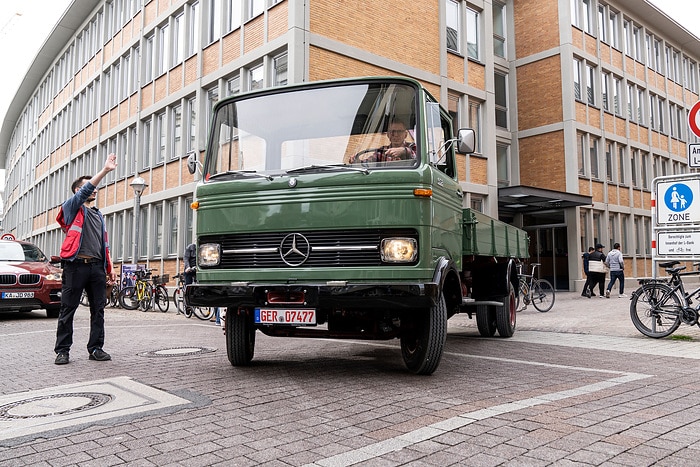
502	165
580	144
233	86
178	39
192	126
256	76
212	99
499	30
279	70
148	58
476	203
473	32
143	232
590	84
177	132
593	156
621	164
162	137
193	29
605	84
617	95
577	79
162	64
158	230
475	122
452	22
173	211
147	145
633	171
501	95
233	14
214	24
608	162
255	7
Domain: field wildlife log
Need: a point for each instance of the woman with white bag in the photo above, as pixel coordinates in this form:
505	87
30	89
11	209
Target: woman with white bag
596	271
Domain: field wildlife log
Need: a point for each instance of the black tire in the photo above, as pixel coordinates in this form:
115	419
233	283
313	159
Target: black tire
127	298
521	298
655	310
506	314
240	337
53	312
162	299
423	339
485	320
543	295
179	300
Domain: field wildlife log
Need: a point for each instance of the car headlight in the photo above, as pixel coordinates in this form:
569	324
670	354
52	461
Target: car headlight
399	250
53	276
209	254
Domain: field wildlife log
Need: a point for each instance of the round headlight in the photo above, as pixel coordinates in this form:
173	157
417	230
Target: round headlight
399	250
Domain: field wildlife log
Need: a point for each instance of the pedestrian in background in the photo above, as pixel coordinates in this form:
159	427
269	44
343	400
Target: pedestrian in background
616	263
86	264
190	261
587	289
596	270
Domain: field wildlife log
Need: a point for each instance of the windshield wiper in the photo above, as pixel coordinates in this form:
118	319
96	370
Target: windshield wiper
311	168
242	173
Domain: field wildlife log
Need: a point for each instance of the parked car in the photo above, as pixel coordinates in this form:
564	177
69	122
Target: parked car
28	279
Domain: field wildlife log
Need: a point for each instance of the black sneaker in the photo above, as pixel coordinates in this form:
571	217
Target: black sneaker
99	355
61	358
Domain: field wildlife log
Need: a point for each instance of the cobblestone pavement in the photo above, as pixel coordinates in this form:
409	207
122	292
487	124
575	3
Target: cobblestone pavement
578	385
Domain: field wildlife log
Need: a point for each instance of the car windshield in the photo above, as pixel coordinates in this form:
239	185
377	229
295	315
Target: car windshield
324	128
12	251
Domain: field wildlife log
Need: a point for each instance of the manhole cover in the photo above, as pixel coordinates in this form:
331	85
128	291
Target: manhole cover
177	352
52	405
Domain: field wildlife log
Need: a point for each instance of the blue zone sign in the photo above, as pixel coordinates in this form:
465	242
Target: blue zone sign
678	202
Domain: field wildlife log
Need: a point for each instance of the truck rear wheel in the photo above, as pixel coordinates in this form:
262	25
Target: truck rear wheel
505	315
486	320
240	337
423	340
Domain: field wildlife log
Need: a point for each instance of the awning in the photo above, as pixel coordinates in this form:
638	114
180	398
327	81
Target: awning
522	198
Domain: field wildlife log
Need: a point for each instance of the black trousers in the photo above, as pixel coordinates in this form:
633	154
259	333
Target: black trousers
77	277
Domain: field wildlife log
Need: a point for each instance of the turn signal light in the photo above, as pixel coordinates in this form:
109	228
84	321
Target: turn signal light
194	205
423	192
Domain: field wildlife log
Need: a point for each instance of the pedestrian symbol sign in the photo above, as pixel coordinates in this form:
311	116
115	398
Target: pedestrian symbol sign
678	202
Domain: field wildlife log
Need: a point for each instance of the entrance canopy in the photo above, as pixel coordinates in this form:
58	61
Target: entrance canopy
522	198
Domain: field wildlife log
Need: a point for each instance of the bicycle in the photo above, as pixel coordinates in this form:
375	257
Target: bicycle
539	292
146	292
112	296
658	307
179	299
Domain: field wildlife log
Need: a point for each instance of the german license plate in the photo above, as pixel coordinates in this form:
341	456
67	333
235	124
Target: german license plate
18	295
285	316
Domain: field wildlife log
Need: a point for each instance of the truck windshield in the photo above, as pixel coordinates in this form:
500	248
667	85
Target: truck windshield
325	127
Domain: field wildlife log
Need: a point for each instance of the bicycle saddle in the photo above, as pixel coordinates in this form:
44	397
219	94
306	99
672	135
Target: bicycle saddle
668	264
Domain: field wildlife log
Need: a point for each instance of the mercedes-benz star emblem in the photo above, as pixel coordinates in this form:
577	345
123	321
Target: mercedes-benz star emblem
294	249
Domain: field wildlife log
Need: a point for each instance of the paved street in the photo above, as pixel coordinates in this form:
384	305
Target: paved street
578	385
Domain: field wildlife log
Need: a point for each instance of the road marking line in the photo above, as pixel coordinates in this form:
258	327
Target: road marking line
434	430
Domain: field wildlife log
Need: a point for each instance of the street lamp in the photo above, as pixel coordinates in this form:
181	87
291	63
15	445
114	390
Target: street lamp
138	184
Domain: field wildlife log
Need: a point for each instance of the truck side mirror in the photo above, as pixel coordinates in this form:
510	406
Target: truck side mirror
466	140
192	161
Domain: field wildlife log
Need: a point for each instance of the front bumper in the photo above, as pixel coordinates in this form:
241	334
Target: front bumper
393	296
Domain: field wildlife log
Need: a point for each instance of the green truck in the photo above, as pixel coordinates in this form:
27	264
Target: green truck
332	209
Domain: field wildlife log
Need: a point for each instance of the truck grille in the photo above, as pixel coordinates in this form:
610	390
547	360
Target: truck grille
325	248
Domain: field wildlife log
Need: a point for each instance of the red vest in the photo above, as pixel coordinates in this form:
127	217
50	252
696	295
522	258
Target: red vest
74	233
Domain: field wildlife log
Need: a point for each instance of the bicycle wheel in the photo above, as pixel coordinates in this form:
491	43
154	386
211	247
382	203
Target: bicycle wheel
179	300
146	301
127	298
162	299
542	295
114	296
655	310
203	313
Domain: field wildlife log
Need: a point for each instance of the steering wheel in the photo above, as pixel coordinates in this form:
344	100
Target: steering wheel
358	157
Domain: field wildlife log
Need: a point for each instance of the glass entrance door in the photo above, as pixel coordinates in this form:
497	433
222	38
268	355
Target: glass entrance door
548	247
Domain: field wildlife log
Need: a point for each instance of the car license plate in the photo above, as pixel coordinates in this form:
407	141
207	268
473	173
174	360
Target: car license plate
285	316
18	295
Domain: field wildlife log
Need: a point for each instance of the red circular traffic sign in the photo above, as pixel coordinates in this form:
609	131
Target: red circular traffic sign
7	236
693	119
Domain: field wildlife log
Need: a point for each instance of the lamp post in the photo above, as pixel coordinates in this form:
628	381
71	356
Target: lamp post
138	184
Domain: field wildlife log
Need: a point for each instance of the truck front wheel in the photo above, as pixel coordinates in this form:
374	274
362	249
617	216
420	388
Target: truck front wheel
423	339
240	337
506	314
